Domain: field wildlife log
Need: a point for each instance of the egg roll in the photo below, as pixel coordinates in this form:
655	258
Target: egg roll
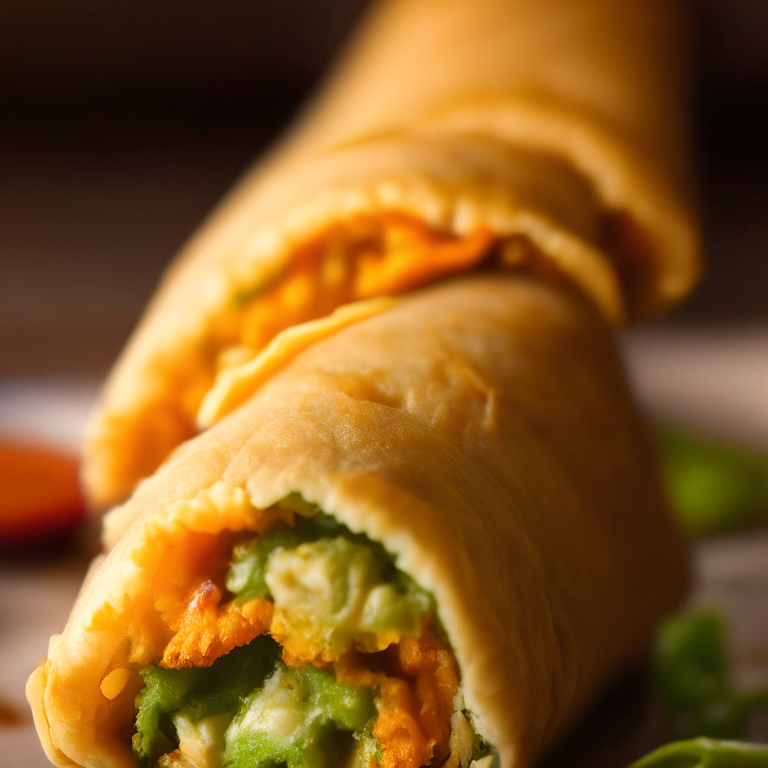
545	137
431	536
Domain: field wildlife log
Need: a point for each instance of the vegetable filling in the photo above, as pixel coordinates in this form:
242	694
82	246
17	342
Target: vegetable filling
315	651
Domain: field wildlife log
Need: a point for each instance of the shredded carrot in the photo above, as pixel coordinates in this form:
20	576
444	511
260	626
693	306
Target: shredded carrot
404	742
209	629
430	664
417	683
400	728
412	255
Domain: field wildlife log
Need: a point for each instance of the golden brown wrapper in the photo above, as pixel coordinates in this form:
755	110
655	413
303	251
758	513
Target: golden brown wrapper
554	122
481	430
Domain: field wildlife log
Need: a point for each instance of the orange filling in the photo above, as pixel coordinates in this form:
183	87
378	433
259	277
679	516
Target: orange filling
208	629
417	684
362	258
416	678
357	260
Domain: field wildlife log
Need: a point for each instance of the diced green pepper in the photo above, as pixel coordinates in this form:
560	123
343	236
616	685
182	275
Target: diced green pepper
249	562
163	692
302	718
231	677
196	694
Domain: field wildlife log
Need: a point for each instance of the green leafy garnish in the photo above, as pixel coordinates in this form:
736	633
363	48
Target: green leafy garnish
713	487
693	678
706	753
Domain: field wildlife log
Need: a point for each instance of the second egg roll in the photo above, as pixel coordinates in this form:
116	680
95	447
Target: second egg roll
543	136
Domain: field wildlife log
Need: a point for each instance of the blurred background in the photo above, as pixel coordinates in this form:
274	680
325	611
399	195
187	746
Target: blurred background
122	124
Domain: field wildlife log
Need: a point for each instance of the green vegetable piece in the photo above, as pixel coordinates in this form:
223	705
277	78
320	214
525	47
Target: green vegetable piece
163	692
692	675
333	592
349	707
196	694
713	487
334	587
302	718
706	753
231	678
249	562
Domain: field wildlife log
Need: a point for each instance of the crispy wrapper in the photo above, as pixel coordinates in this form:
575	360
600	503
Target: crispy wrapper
536	135
482	430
